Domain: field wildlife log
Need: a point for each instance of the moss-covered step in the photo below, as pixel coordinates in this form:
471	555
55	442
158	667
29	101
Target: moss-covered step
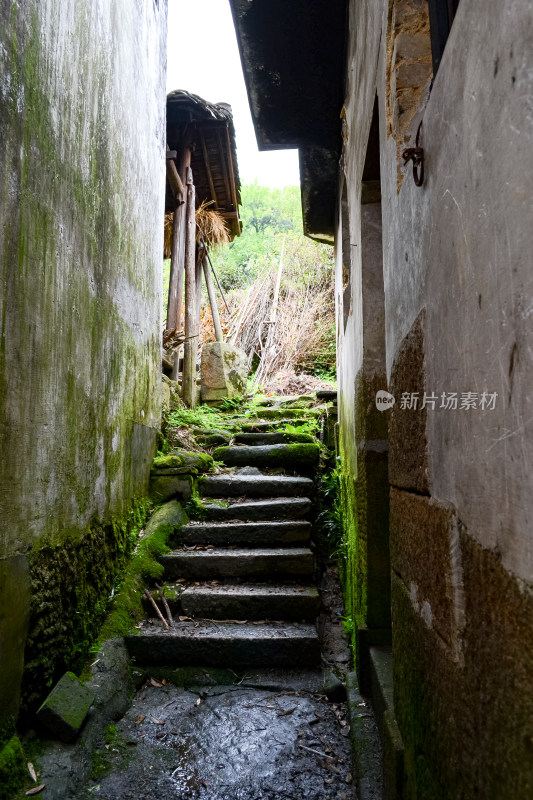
258	439
255	486
292	456
227	644
256	510
248	534
259	425
287	413
181	462
251	601
296	563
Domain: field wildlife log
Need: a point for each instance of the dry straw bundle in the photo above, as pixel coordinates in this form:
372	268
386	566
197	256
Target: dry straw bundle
210	226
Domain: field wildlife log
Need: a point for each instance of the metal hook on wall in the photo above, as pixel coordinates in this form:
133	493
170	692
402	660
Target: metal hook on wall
416	155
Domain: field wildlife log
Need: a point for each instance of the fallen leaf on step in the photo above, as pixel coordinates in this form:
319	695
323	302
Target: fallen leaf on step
198	701
183	619
157	721
156	683
164	681
139	718
287	712
31	770
36	789
348	778
260	622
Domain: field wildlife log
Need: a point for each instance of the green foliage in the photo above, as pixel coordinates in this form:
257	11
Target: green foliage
231	405
201	416
268	215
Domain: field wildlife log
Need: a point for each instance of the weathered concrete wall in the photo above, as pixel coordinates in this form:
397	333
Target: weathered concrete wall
361	349
458	288
82	103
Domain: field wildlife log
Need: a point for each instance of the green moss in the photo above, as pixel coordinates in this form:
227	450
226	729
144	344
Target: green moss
12	769
183	461
144	567
73	575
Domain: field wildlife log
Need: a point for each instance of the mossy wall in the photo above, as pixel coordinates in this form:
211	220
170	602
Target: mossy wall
82	110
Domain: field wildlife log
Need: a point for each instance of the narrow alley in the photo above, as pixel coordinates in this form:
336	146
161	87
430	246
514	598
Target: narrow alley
266	399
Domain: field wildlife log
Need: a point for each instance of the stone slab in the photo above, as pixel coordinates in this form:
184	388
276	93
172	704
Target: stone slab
224	370
295	456
271	563
66	707
248	601
228	644
259	510
257	439
250	534
255	486
164	487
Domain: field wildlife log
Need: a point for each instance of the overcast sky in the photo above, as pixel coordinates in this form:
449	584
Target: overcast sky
197	28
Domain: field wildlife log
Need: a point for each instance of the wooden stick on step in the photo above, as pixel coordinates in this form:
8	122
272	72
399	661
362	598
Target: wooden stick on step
159	614
167	609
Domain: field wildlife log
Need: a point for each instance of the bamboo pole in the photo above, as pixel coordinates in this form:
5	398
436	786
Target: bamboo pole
212	300
191	337
218	282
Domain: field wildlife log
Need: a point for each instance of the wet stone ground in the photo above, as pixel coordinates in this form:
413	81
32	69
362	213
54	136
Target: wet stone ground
228	743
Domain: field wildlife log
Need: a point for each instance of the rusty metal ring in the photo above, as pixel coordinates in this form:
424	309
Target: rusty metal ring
416	155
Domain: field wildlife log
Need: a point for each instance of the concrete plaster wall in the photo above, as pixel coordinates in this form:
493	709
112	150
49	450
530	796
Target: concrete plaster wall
458	288
82	116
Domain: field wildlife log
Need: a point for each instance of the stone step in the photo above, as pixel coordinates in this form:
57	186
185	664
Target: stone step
248	534
204	643
292	456
258	510
260	563
251	601
266	438
329	395
255	486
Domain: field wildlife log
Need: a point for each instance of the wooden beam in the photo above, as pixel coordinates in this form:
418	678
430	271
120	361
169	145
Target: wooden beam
208	169
176	184
177	257
224	162
191	338
231	169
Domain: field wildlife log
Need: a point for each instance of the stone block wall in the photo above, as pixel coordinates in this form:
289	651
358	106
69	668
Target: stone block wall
82	111
457	289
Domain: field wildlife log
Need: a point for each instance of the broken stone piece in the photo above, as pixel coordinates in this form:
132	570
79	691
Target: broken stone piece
64	710
248	471
333	688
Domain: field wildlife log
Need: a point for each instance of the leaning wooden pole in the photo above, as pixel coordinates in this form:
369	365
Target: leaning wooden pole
212	299
191	336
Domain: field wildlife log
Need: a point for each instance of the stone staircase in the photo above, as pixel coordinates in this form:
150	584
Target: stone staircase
241	586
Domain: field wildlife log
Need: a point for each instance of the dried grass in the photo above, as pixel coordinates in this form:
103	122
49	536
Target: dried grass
283	383
210	225
303	326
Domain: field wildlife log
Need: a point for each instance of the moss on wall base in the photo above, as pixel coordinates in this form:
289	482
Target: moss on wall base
71	583
12	769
